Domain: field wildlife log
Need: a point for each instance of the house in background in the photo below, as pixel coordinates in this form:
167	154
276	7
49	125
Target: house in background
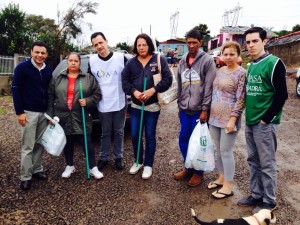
173	43
233	33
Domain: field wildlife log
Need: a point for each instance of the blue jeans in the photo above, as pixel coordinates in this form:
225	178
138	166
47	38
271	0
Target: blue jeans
187	125
149	125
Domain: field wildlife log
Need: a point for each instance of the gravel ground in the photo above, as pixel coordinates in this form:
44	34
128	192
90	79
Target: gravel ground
121	198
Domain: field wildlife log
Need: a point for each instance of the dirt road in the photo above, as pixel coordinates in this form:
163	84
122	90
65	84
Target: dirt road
121	198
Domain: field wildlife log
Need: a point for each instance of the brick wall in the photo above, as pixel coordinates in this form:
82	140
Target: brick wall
289	53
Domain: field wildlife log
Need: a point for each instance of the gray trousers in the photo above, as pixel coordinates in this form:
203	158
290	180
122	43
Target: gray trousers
113	123
31	152
261	146
224	144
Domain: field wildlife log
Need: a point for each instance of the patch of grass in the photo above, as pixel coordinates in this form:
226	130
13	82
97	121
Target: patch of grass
6	98
2	111
5	101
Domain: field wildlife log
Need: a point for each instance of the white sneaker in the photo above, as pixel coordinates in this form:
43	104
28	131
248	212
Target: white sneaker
147	172
68	171
135	168
96	173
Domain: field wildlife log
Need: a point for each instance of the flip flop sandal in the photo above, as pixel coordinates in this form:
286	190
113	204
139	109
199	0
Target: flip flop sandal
223	195
213	185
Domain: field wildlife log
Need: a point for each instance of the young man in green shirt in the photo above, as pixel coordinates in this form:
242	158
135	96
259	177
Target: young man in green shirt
266	93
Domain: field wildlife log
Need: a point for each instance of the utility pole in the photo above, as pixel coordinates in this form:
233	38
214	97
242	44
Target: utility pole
231	17
174	24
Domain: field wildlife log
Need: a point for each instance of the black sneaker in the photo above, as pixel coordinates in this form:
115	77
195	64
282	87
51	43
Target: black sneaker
101	164
264	205
25	184
250	201
120	164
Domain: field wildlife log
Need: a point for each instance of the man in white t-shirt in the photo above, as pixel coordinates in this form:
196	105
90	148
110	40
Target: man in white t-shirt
107	67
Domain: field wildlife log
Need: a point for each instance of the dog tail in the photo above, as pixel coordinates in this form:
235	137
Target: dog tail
196	218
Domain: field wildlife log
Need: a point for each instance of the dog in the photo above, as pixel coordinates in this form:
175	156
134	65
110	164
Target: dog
262	217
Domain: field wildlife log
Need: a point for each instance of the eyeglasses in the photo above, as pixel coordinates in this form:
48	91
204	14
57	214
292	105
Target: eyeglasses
143	45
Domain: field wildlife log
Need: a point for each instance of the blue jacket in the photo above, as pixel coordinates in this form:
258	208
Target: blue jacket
134	73
30	87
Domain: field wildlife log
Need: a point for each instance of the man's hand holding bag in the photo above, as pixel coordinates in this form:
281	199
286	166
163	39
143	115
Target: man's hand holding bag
53	139
200	154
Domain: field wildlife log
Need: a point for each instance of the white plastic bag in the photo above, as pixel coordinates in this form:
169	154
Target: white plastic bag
53	138
200	154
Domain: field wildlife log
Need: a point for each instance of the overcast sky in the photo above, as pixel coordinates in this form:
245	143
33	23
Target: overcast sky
122	21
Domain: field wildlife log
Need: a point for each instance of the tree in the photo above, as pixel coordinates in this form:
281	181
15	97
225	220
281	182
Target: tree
38	27
12	38
41	29
69	26
296	28
18	30
203	29
124	46
282	32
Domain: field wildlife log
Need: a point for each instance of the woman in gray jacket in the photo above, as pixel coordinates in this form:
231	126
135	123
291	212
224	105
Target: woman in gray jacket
65	103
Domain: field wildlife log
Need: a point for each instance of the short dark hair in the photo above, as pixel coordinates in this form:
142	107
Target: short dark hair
40	44
96	34
148	41
194	34
261	31
74	53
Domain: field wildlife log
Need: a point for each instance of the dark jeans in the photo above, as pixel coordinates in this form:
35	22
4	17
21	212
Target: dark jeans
187	125
149	126
112	122
69	149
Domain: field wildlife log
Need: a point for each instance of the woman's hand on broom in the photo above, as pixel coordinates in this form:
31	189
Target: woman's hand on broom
82	102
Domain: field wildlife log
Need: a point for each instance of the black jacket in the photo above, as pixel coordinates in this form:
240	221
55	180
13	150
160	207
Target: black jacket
71	120
133	77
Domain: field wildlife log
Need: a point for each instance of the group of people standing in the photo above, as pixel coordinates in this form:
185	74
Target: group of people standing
111	76
219	98
172	56
214	97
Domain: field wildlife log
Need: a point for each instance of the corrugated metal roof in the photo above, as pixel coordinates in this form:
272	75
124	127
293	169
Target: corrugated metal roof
289	38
